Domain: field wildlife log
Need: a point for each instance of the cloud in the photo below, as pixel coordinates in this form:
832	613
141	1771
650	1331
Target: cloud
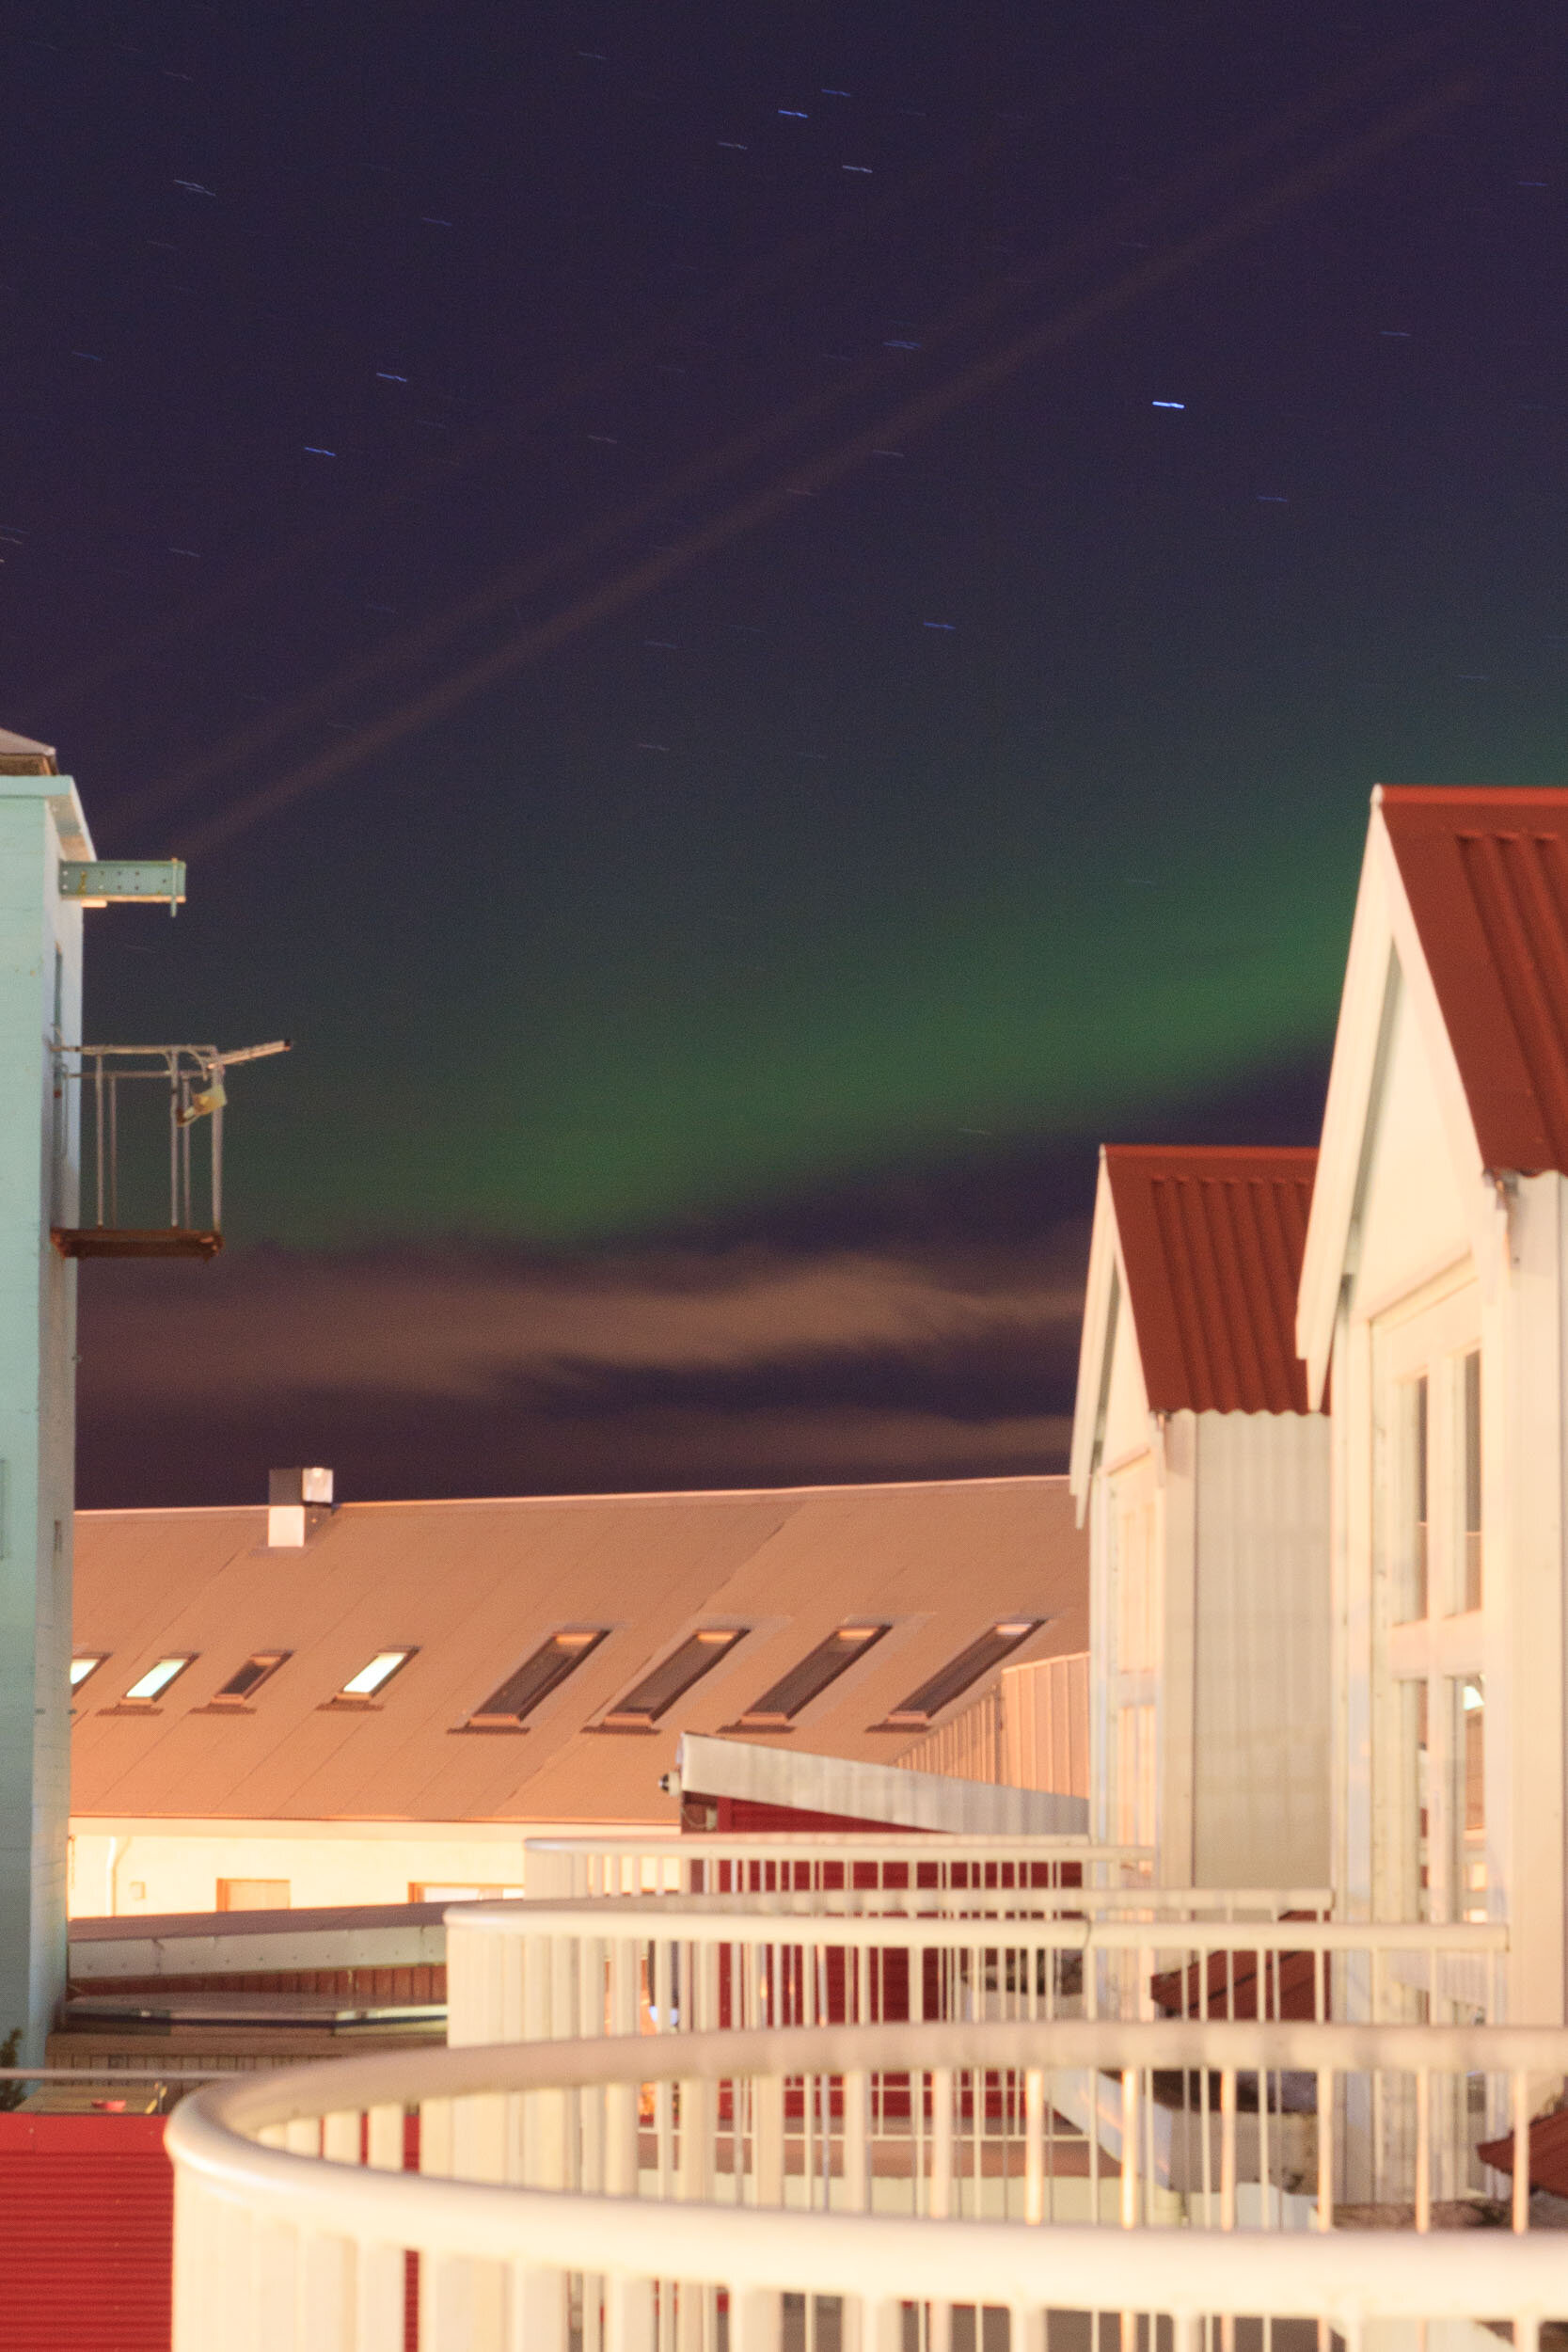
478	1371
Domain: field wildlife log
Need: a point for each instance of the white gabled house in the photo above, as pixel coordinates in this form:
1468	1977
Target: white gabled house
1203	1478
1432	1313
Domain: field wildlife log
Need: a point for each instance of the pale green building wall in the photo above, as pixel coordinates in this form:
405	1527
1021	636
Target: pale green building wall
40	1003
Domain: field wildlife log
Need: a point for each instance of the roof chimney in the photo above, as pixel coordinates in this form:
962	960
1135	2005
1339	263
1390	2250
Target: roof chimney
297	1501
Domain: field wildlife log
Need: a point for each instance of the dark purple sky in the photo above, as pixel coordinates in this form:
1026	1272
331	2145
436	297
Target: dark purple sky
758	626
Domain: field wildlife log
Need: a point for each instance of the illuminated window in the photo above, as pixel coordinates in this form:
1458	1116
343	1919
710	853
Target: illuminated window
538	1676
1467	1800
88	1663
248	1678
806	1681
155	1681
998	1642
657	1692
438	1891
374	1677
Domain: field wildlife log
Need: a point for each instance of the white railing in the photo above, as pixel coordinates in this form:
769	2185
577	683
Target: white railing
563	1971
757	1863
873	2189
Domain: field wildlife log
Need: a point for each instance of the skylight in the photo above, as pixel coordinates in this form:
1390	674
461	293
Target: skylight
249	1677
807	1680
87	1664
657	1692
539	1675
155	1681
375	1677
950	1681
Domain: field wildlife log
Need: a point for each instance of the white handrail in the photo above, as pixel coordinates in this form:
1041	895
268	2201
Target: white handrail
334	2221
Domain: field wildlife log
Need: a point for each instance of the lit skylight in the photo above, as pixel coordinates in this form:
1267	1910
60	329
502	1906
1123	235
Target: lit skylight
87	1664
673	1678
814	1672
374	1677
950	1681
539	1675
155	1681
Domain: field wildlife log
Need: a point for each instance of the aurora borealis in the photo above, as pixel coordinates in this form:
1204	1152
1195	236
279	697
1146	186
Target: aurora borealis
834	892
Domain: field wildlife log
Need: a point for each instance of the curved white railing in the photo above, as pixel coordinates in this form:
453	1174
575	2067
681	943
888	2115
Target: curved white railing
764	2192
566	1970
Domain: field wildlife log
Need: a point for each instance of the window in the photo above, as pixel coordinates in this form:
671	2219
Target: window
88	1663
1414	1826
657	1692
253	1895
247	1680
923	1705
538	1676
1468	1799
432	1891
155	1681
810	1678
1471	1593
373	1678
1413	1414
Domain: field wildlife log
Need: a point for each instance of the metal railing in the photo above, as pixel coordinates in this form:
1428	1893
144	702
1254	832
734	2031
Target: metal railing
757	1863
693	1963
890	2188
190	1079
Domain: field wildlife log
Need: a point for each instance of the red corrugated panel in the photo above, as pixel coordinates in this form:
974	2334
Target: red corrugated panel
1212	1240
88	2207
1486	875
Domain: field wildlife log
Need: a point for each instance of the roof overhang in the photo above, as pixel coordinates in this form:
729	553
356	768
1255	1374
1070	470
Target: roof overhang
1386	970
1104	1303
857	1791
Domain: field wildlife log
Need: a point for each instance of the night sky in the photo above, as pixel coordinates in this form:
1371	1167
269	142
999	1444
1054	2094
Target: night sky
759	625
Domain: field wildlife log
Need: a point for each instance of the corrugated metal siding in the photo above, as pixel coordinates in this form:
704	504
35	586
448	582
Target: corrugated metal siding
1212	1241
1486	875
1031	1732
88	2234
1260	1765
1045	1719
967	1748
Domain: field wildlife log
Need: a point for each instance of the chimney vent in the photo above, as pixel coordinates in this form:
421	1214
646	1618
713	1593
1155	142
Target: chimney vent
297	1501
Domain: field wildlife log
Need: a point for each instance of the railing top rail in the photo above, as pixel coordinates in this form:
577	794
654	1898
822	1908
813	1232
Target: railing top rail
928	1845
1182	2272
758	1920
251	2103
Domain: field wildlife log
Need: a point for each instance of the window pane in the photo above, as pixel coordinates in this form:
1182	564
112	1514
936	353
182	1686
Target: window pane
1472	1481
538	1676
155	1681
383	1666
82	1667
820	1666
1410	1590
251	1675
253	1895
657	1692
1415	1823
1468	1799
970	1665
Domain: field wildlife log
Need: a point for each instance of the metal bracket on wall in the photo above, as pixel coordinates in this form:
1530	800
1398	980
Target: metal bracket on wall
123	881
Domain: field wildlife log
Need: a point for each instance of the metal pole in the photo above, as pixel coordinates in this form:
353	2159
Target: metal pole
173	1143
98	1125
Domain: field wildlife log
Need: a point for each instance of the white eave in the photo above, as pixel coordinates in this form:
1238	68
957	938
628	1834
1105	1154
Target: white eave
1386	963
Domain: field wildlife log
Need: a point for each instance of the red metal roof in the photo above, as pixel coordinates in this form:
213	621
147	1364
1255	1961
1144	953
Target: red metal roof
1486	875
1212	1240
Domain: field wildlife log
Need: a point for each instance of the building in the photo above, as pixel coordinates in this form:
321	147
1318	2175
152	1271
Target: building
1433	1313
380	1702
1203	1477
